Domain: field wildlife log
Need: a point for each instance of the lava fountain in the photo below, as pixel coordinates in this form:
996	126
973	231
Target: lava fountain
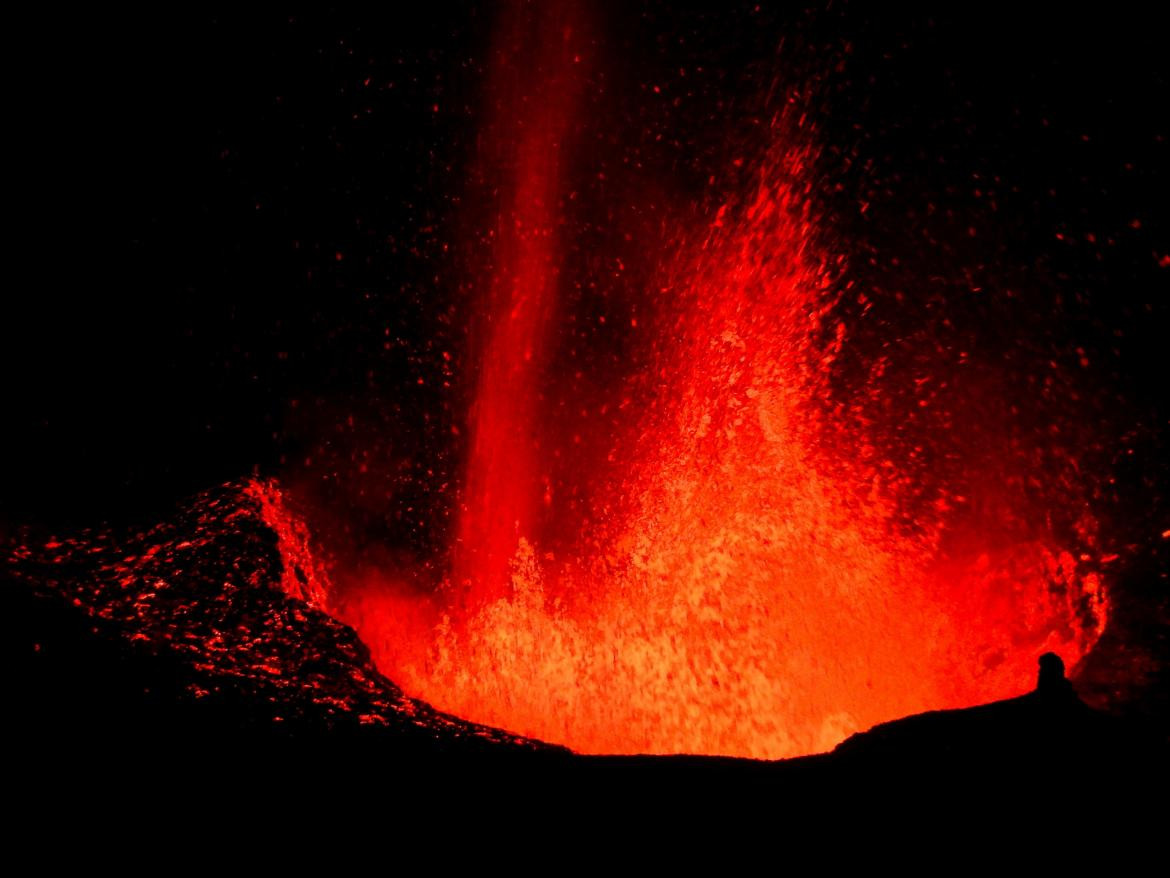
537	81
747	568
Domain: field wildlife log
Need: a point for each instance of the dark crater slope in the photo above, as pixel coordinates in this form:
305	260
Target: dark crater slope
203	629
196	648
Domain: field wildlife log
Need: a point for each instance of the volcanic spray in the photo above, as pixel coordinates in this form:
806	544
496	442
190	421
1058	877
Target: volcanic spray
536	85
675	532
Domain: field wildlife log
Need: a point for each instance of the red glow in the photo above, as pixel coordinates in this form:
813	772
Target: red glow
535	96
745	582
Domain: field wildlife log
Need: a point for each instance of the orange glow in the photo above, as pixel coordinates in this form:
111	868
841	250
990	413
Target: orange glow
751	601
745	581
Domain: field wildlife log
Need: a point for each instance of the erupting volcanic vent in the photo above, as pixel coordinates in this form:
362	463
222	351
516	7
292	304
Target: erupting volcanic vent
715	550
645	379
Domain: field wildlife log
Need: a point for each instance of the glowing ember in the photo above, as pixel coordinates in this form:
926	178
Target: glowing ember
756	574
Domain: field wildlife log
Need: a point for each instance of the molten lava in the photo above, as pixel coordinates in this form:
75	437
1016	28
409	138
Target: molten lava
536	94
756	573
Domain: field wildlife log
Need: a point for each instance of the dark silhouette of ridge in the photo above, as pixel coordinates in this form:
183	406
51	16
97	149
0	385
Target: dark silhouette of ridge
1049	732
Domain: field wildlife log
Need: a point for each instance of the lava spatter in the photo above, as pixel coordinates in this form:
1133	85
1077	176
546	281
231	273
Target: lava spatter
754	588
750	565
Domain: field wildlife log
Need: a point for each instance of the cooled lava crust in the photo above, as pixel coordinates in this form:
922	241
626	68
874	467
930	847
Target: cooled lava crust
197	626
